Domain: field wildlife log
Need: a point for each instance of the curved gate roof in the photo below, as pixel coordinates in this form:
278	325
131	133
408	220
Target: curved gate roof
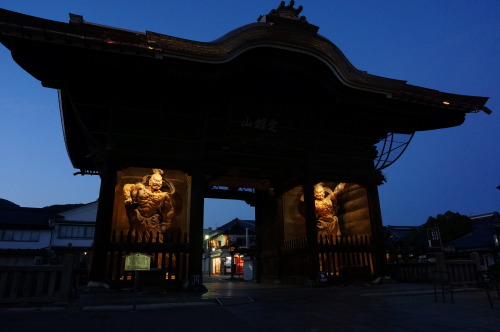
270	93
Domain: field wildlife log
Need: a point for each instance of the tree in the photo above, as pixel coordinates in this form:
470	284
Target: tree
452	225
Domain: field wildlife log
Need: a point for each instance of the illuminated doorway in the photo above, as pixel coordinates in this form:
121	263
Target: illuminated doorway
228	238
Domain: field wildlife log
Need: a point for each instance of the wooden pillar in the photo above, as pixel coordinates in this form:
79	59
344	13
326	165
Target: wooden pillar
103	224
196	229
277	209
311	229
268	239
259	239
380	262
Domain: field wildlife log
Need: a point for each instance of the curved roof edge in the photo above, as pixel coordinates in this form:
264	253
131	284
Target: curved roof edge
293	35
258	35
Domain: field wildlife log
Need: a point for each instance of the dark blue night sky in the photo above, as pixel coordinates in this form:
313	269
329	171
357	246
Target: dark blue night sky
450	46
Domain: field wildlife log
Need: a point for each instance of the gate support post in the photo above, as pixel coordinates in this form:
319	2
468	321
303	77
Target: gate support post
311	229
268	255
196	230
102	235
380	262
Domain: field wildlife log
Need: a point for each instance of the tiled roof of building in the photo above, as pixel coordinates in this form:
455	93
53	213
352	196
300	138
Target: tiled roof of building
25	217
85	213
484	228
235	227
398	233
6	203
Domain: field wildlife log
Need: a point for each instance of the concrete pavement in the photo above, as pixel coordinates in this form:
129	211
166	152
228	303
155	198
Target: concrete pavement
253	306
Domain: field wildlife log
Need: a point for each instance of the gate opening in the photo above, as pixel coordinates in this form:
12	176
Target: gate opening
229	239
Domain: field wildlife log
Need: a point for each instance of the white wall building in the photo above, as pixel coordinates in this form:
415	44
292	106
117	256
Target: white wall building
41	236
25	235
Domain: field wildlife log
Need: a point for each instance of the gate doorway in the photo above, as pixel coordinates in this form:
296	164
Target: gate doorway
229	240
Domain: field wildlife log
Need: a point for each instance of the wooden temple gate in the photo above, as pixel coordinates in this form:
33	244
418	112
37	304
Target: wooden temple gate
272	106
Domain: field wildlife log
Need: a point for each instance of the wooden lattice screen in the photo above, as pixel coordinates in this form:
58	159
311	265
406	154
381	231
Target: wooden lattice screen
169	253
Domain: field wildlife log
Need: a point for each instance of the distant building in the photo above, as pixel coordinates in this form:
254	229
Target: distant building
484	238
33	236
73	233
227	246
402	243
25	235
397	242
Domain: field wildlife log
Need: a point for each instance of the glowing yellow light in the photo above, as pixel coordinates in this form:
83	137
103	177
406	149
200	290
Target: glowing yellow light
446	102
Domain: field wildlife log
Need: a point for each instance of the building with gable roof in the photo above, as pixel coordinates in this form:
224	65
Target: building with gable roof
25	235
484	238
32	236
227	246
73	233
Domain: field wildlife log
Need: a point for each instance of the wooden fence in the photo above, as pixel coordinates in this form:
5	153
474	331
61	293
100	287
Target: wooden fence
294	261
460	272
169	253
348	257
412	272
37	283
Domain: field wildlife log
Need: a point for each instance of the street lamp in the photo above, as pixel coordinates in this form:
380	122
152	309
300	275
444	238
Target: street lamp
206	240
207	255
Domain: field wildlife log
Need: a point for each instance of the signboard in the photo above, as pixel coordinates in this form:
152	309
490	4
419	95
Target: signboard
434	237
136	262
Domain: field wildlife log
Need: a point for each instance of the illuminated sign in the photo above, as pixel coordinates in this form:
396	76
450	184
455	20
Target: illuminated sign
434	237
136	262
